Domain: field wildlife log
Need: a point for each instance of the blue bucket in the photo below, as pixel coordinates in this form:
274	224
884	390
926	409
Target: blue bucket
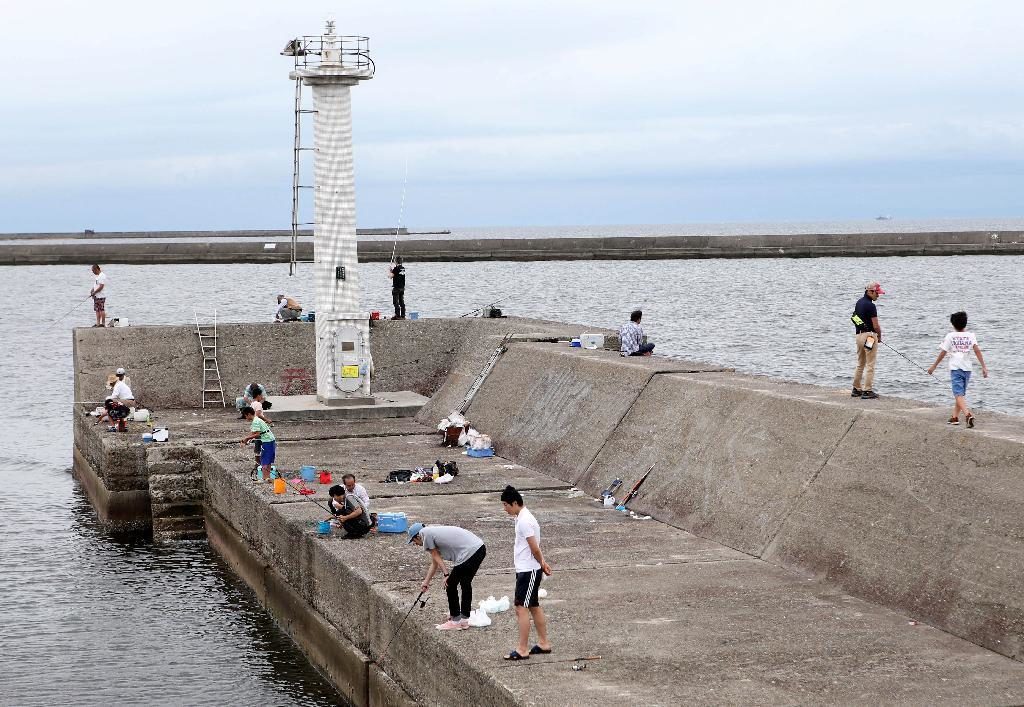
308	473
324	528
147	437
414	315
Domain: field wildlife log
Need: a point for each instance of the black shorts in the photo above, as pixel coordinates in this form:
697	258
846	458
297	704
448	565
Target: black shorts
528	588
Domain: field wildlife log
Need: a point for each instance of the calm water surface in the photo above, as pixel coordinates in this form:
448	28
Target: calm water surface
102	619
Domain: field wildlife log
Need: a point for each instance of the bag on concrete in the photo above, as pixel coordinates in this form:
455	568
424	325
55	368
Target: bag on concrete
398	476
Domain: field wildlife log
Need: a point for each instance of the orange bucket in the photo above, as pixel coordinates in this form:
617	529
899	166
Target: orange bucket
280	486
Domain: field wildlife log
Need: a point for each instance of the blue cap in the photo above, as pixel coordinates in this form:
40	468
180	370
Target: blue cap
414	530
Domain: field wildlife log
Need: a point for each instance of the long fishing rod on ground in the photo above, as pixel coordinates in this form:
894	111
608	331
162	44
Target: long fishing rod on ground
68	313
490	304
581	659
415	601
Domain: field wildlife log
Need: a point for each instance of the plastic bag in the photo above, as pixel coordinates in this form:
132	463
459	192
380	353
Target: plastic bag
494	606
479	618
446	479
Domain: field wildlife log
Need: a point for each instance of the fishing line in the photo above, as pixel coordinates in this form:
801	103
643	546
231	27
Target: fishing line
913	363
65	316
401	211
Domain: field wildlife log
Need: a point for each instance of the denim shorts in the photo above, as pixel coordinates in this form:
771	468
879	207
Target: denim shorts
268	452
959	379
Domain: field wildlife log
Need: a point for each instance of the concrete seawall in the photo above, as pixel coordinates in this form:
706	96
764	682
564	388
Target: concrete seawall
812	548
527	249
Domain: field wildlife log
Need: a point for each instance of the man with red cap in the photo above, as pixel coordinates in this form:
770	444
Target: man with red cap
869	335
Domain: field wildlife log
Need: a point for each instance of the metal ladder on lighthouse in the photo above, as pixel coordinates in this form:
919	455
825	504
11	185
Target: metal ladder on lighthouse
297	150
213	389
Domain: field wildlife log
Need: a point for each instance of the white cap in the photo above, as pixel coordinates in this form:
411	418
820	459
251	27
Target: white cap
120	371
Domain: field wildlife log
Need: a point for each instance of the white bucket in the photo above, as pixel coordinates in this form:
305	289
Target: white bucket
141	415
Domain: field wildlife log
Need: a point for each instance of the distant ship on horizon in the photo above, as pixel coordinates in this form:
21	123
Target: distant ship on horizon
883	218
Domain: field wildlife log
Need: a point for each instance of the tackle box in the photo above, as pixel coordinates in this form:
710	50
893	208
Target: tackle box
392	522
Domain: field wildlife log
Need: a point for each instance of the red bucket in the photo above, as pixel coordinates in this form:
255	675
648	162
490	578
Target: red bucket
375	316
325	477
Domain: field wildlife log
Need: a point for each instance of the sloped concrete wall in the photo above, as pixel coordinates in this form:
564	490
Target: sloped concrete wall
552	407
923	518
730	461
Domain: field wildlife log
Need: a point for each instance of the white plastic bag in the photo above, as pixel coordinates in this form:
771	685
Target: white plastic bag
479	618
444	479
491	605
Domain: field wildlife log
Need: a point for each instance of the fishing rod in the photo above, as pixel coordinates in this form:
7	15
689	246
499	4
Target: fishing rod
418	600
491	304
636	487
581	659
65	316
401	212
913	363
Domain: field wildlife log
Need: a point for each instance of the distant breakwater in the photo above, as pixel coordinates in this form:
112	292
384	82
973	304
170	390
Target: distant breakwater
210	247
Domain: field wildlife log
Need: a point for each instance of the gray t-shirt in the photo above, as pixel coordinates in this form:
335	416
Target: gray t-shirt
456	545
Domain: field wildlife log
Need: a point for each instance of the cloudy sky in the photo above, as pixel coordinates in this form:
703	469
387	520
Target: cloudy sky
136	115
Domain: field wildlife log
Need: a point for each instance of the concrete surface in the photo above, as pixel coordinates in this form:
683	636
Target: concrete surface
402	403
553	407
676	619
875	522
523	249
728	461
923	518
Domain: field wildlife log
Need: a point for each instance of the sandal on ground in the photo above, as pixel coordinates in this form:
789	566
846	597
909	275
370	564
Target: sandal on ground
514	655
537	650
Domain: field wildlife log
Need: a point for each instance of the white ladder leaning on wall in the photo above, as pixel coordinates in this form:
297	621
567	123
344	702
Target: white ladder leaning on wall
213	389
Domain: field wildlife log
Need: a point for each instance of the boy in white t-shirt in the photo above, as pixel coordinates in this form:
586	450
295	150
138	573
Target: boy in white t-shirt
530	567
959	344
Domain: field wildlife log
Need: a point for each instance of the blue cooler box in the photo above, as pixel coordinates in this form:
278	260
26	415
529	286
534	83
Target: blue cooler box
392	522
489	452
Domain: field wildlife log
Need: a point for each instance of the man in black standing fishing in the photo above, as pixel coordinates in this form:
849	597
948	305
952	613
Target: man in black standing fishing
869	336
397	274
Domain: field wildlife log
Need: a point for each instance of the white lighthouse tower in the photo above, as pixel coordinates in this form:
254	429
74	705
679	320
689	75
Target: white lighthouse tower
331	64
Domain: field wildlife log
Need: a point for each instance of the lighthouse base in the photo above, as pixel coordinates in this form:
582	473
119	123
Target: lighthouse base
403	403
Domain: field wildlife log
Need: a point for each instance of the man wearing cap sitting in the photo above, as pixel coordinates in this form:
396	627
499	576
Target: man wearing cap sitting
465	551
119	402
869	335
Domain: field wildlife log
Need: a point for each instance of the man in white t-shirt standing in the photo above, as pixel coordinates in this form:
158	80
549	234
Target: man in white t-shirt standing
530	567
959	344
99	295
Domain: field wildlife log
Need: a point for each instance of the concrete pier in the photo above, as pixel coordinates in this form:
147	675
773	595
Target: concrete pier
849	245
805	547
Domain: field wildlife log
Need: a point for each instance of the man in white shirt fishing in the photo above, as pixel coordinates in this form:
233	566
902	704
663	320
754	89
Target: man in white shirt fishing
99	295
